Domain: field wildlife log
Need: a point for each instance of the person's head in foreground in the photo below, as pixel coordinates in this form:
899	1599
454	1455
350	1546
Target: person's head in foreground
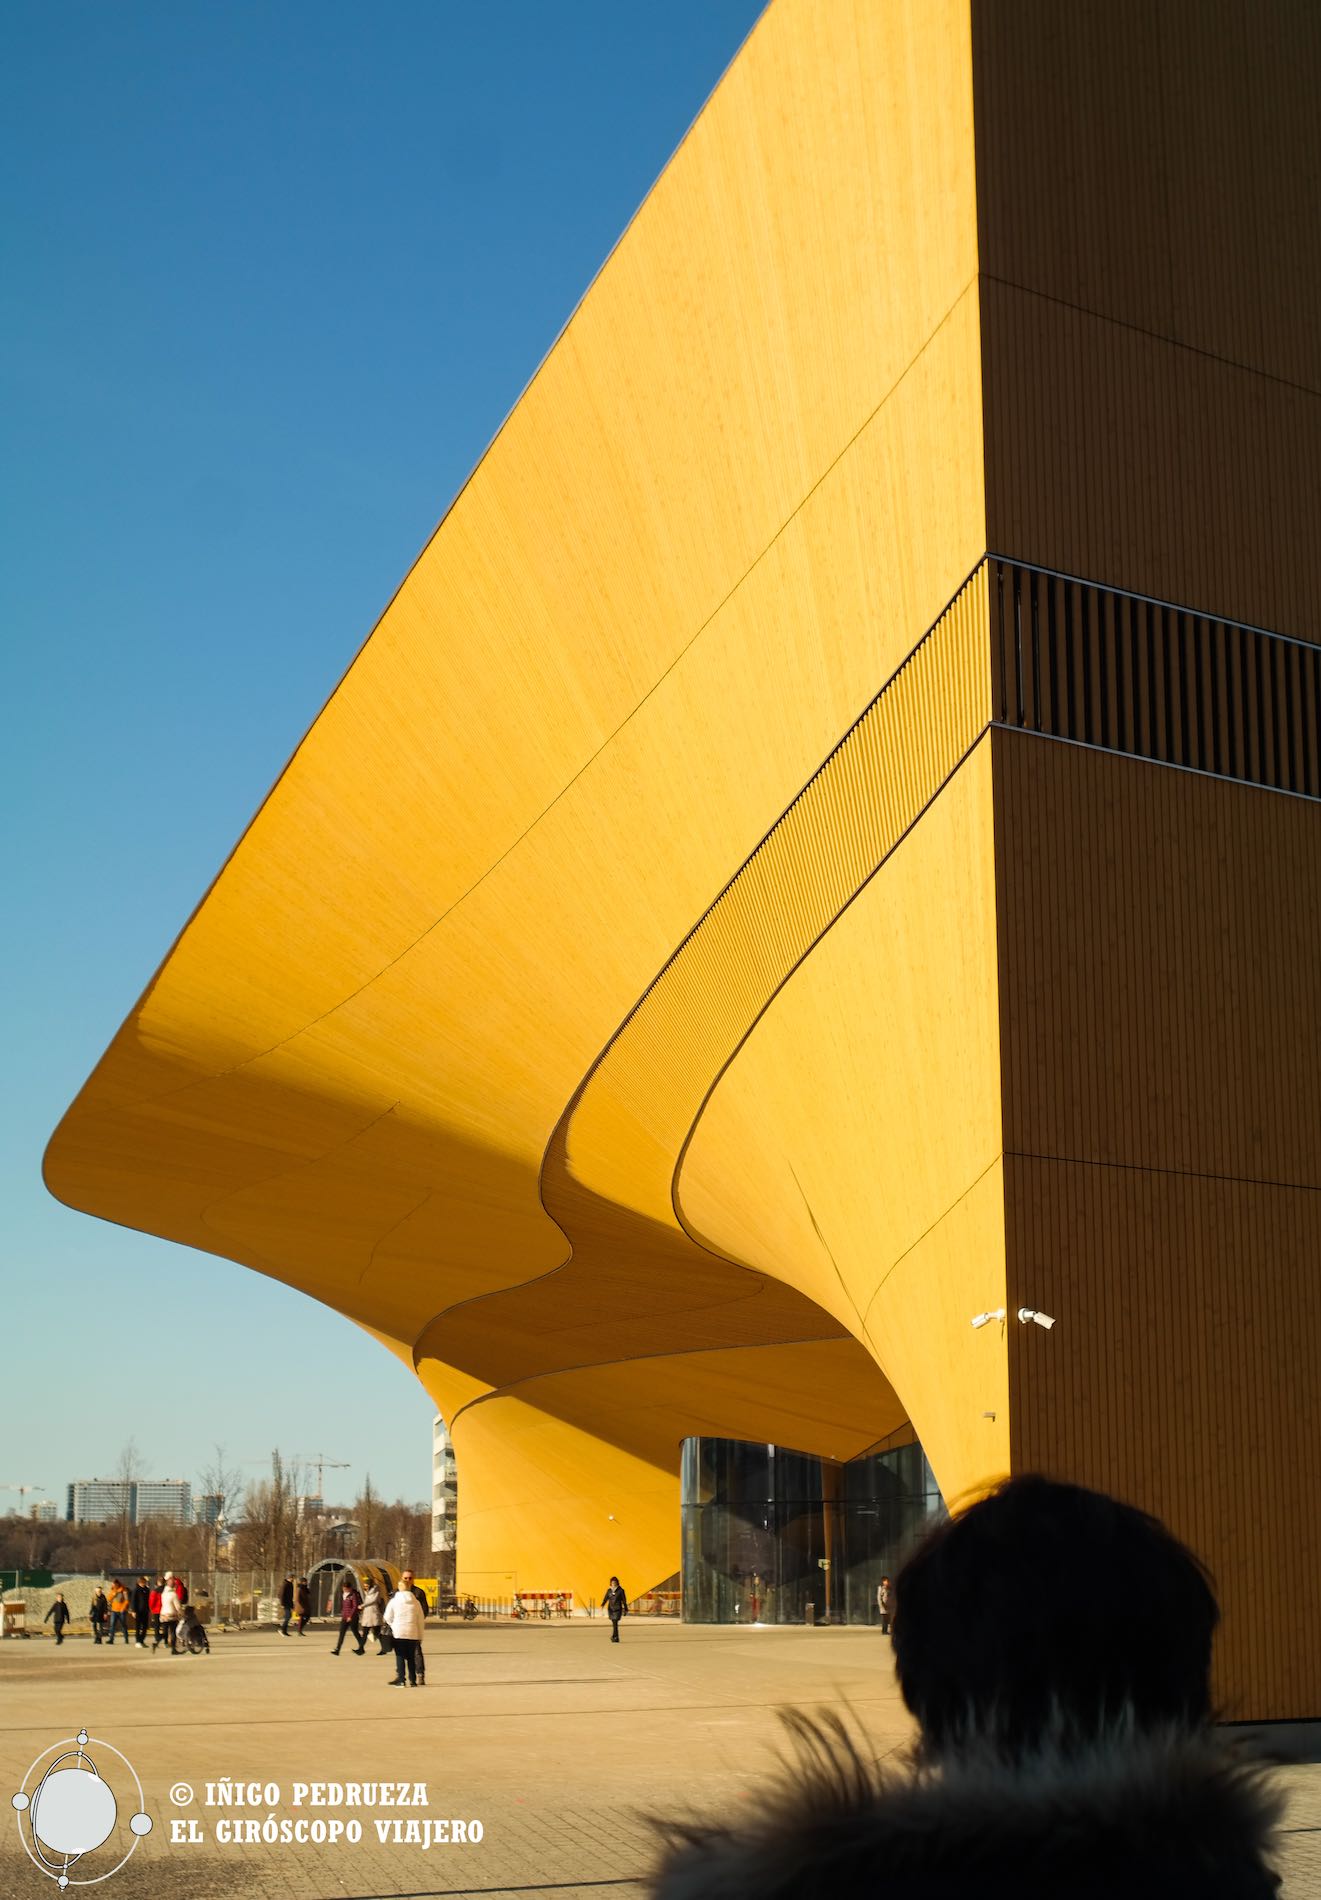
1047	1612
1055	1648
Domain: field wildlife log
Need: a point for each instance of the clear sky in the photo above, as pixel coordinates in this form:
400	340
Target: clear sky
273	275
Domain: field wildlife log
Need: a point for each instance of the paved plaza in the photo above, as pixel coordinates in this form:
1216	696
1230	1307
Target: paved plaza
554	1739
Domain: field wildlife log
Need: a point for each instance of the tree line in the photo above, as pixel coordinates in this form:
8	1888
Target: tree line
262	1524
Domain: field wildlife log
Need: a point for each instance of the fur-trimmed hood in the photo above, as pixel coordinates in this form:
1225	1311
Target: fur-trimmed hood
1174	1815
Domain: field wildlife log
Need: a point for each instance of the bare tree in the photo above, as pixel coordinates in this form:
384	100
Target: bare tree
366	1512
222	1483
270	1536
127	1473
220	1492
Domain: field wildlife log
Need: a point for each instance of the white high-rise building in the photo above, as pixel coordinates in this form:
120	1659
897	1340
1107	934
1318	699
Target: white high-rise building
444	1499
100	1500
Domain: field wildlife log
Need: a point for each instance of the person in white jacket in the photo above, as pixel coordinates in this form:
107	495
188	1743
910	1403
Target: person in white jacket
370	1618
406	1623
171	1611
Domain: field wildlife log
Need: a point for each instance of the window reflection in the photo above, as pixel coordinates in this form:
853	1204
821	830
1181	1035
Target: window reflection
758	1521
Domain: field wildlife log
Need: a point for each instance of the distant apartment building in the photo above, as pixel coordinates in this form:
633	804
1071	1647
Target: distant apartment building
103	1500
444	1496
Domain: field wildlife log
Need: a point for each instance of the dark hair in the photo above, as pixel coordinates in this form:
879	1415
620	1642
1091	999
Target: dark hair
1049	1609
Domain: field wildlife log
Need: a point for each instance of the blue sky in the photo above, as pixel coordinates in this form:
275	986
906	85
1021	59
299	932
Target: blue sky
273	275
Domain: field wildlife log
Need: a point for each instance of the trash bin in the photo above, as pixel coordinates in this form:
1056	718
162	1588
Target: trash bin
809	1615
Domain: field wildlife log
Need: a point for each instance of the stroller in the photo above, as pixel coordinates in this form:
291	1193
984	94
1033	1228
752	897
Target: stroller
192	1636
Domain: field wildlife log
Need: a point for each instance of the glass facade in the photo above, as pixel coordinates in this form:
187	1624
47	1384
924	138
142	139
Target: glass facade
771	1535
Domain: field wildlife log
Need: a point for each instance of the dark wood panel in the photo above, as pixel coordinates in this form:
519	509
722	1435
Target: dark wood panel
1170	473
1158	162
1181	1375
1161	1084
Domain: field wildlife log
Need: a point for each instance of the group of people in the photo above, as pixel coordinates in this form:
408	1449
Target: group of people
399	1625
1054	1646
295	1600
161	1608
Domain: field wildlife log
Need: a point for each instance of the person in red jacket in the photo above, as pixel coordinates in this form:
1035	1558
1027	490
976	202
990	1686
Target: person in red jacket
154	1609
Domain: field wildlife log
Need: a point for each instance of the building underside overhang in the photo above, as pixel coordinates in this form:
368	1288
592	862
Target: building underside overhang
629	1004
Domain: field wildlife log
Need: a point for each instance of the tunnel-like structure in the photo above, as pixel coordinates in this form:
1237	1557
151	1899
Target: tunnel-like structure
825	841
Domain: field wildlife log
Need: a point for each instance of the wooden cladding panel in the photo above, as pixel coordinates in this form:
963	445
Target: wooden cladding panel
1127	459
852	1145
1157	162
1182	1376
1136	676
1164	926
1160	1023
652	1078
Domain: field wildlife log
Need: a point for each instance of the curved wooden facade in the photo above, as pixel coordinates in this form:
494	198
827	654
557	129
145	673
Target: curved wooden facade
826	841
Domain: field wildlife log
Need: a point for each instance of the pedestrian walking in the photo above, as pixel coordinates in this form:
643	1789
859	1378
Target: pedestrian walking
141	1611
286	1604
349	1611
99	1614
118	1611
406	1623
171	1611
154	1610
303	1599
370	1619
59	1615
407	1581
885	1603
615	1604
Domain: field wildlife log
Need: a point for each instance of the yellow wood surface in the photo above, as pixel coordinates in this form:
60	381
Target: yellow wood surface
746	479
643	1028
854	1142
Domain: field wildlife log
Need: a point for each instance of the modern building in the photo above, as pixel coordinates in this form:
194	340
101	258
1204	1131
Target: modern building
106	1500
825	845
444	1503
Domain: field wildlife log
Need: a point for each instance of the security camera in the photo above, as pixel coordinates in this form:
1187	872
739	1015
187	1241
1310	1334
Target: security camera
1026	1313
984	1319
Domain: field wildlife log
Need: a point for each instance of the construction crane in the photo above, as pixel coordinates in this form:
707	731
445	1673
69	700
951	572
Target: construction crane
323	1464
23	1490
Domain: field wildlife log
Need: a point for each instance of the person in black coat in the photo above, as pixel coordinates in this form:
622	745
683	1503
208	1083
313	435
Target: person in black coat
615	1604
59	1615
141	1611
99	1614
286	1604
1055	1648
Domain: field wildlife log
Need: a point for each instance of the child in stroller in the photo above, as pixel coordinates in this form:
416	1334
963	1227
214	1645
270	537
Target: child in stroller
192	1636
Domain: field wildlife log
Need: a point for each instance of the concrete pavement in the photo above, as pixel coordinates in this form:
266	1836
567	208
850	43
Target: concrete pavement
548	1737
